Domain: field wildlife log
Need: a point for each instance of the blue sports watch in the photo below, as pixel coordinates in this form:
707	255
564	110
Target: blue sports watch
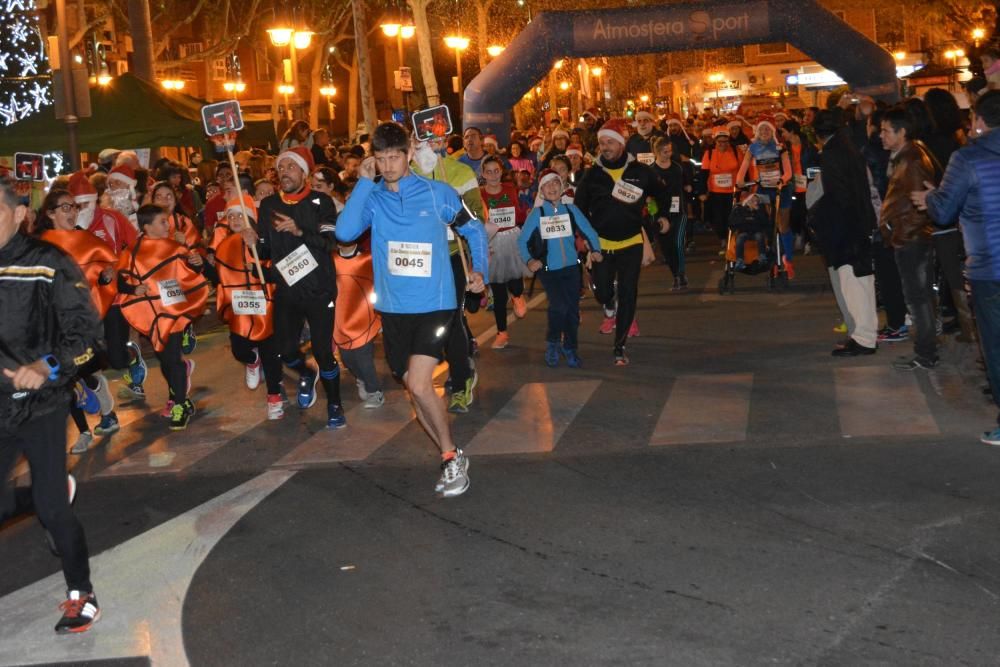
53	365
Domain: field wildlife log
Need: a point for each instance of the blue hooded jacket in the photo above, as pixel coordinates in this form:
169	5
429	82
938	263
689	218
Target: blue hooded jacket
410	241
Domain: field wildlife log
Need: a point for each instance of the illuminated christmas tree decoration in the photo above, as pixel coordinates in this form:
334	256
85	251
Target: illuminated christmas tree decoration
25	77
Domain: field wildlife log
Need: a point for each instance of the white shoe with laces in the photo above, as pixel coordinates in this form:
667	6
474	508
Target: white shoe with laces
454	480
253	372
376	399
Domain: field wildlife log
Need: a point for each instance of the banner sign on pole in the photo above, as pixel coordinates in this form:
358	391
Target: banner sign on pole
29	166
222	117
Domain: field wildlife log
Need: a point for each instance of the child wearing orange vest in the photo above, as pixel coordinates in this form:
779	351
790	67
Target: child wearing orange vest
355	322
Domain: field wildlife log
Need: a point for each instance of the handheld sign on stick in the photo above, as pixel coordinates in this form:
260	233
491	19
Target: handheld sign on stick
222	121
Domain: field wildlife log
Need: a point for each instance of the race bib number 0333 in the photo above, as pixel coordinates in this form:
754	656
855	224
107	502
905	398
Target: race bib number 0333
555	226
296	265
410	259
171	292
249	302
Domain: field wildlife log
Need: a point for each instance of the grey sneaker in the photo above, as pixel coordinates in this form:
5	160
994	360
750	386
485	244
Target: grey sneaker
82	443
362	394
376	399
914	363
454	480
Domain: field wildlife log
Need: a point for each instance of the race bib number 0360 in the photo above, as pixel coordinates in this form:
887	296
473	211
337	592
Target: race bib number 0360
296	265
171	292
249	302
410	259
555	226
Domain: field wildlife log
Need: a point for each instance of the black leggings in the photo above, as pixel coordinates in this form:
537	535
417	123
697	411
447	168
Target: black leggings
43	442
116	333
289	316
173	368
717	210
500	290
268	351
622	266
672	245
457	350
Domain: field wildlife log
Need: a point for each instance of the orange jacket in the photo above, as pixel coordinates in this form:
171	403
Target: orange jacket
94	256
355	322
177	293
722	167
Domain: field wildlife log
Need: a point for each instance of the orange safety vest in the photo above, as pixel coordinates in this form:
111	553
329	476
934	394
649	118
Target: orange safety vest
220	233
94	256
240	290
177	293
722	164
797	174
355	322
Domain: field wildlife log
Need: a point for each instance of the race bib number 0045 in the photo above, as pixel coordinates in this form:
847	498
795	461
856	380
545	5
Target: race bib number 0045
503	218
555	226
296	265
171	292
626	192
249	302
410	259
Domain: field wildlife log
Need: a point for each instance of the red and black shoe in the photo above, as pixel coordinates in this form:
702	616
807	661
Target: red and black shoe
80	611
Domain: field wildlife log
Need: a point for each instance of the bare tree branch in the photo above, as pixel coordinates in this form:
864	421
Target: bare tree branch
220	48
164	41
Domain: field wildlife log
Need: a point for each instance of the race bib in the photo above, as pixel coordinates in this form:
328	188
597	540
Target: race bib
296	265
503	218
675	204
410	259
646	158
249	302
171	292
801	182
722	180
626	192
555	226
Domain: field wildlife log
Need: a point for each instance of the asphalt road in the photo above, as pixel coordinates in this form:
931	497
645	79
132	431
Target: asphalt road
736	496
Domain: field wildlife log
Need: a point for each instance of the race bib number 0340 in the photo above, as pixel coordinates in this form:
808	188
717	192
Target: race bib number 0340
171	292
296	265
555	226
503	218
410	259
249	302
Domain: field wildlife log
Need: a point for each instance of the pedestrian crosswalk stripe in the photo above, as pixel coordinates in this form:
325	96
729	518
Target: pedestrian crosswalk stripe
367	430
534	419
878	400
704	409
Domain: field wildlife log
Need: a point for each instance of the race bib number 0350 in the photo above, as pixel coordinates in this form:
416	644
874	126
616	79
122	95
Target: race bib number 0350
503	218
555	226
626	192
410	259
171	292
296	265
249	302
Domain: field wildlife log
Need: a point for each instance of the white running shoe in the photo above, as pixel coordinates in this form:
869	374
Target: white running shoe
454	480
362	394
275	407
376	399
253	372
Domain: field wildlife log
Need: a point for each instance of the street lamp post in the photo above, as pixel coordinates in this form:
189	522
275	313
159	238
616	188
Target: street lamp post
404	29
458	43
598	72
283	35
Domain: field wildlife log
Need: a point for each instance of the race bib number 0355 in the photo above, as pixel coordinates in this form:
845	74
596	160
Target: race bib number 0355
249	302
171	292
296	265
555	226
410	259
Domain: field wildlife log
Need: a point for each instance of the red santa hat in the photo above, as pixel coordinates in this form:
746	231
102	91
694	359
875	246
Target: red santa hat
559	132
613	128
490	139
81	188
548	175
675	119
593	112
720	131
575	149
300	155
247	203
644	113
123	173
764	122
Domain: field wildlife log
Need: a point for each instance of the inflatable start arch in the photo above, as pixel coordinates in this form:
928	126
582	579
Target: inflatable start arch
804	24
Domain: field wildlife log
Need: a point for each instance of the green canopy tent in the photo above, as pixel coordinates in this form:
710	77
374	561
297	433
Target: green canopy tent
127	113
